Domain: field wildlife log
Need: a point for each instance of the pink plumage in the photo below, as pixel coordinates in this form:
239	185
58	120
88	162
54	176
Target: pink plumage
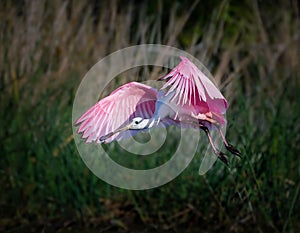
193	87
187	99
194	96
116	110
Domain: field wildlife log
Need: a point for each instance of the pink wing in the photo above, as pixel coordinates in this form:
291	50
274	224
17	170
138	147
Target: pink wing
193	87
110	113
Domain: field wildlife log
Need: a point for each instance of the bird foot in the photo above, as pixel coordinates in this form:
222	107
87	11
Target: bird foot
233	150
223	158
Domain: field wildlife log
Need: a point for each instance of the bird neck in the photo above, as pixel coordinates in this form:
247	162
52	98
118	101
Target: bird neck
153	122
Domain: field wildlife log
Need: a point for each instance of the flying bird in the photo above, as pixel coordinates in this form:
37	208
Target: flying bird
187	99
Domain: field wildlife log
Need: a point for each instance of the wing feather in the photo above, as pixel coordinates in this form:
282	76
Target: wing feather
116	110
192	86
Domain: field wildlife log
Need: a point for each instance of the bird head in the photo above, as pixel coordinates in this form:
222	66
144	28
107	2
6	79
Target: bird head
139	123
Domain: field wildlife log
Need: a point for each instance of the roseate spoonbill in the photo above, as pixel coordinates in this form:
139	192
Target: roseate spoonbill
191	98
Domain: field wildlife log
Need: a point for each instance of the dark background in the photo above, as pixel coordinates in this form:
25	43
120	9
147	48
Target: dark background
251	47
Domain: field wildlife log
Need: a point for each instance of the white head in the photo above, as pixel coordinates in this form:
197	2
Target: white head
139	123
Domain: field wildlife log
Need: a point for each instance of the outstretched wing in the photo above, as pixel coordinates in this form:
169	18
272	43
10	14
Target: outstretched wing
112	112
192	87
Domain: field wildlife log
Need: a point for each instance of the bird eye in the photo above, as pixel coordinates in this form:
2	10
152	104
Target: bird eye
136	122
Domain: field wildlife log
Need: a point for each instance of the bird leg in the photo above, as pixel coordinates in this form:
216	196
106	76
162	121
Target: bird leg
208	118
228	146
220	154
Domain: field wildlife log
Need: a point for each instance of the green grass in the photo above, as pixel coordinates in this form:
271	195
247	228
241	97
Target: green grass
45	185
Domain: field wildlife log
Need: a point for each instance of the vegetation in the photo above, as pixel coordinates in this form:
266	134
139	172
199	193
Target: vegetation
251	47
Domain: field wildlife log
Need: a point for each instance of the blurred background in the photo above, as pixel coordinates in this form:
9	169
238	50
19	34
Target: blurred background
252	48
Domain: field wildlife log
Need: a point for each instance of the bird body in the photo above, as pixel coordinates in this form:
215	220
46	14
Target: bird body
187	99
